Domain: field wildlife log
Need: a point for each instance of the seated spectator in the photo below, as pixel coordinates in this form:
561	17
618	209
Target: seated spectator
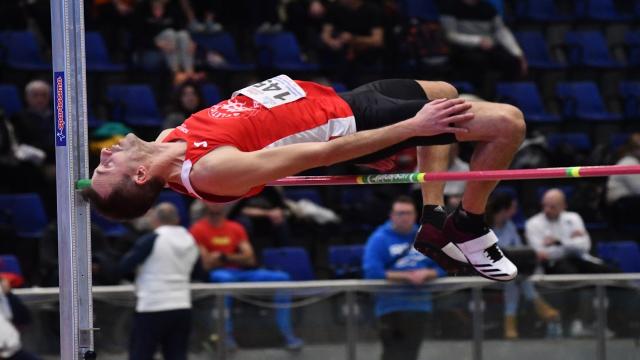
389	254
165	259
13	314
480	40
562	243
161	26
227	254
500	210
265	217
115	21
34	125
188	100
623	191
353	37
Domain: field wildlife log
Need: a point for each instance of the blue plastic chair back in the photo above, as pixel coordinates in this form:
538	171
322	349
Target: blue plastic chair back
526	97
588	48
10	264
581	98
420	9
210	94
346	260
292	260
25	213
578	141
535	49
21	51
134	104
630	91
10	99
623	254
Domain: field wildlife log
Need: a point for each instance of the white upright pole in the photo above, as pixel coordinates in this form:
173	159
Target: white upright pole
74	243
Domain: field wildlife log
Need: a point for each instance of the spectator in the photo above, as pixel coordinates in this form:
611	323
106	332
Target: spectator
304	18
480	40
265	216
13	313
34	125
623	191
500	210
227	253
115	21
165	259
161	26
353	37
562	244
188	100
389	254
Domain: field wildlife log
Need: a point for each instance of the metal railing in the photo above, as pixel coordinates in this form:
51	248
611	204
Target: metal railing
350	287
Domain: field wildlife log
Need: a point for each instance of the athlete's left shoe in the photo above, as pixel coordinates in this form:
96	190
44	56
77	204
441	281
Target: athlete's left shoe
482	252
431	242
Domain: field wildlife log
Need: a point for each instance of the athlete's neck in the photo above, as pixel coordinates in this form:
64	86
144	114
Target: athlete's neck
167	159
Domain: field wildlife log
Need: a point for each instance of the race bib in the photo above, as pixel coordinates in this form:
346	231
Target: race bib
274	92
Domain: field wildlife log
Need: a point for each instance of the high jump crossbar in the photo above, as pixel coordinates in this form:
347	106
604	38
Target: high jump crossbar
571	172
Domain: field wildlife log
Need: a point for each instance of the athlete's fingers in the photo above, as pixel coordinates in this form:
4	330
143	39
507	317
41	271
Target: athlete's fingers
457	118
456	109
449	103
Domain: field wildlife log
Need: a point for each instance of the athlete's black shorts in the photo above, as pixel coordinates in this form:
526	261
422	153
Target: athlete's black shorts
385	102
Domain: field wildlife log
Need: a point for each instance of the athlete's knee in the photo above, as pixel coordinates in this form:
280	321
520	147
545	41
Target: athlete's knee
512	122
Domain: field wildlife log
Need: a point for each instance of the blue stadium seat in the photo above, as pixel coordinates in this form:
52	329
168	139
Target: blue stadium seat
582	100
600	10
540	10
299	193
579	141
223	43
25	213
630	91
632	41
281	51
617	140
210	94
464	87
97	56
536	51
526	97
339	87
180	203
346	261
134	104
426	10
10	99
623	254
109	228
20	50
589	48
292	260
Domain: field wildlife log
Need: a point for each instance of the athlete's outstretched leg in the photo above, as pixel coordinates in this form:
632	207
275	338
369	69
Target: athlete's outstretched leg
430	239
498	131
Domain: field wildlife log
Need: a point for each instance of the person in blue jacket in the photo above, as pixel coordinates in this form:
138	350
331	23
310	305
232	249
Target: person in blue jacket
389	254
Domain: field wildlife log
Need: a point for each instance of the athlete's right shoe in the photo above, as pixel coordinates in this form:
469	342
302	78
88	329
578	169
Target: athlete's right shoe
481	251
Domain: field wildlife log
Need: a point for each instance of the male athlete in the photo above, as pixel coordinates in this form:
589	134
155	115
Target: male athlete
280	127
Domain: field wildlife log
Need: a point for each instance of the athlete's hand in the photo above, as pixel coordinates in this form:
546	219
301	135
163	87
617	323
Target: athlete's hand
438	116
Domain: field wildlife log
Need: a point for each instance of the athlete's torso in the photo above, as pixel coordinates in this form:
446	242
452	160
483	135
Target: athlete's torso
317	114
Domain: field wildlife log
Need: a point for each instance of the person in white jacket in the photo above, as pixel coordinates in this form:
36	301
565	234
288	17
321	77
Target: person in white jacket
164	259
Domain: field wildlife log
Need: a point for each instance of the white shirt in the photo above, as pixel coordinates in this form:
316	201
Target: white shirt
620	186
539	227
456	187
162	281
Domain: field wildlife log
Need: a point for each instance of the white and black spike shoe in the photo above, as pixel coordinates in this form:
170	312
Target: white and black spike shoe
482	252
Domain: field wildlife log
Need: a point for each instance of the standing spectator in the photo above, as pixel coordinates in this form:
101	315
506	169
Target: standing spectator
623	191
562	243
500	210
480	40
353	37
389	254
12	313
227	253
165	259
161	26
188	100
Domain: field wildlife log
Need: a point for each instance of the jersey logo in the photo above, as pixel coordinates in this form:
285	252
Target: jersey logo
200	144
232	108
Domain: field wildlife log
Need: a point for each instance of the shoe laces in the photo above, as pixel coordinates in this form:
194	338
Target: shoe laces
494	253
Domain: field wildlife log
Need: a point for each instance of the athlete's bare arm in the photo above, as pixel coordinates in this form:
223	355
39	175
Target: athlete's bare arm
229	171
163	134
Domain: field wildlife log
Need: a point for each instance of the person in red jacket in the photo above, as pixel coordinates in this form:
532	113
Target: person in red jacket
280	127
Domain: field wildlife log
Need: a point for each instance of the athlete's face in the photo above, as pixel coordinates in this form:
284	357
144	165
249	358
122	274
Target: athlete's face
115	162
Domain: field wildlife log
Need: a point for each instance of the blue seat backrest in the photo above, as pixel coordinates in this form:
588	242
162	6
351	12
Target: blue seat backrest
623	254
292	260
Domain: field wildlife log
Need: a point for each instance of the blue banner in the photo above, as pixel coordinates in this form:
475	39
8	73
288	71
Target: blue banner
59	108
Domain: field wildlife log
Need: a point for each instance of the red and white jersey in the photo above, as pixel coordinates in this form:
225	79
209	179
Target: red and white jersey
279	112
